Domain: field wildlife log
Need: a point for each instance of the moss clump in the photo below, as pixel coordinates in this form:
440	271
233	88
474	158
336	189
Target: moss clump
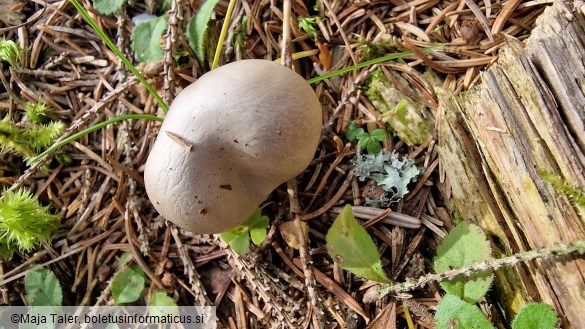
411	122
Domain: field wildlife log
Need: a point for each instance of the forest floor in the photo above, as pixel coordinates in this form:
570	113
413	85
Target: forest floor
100	192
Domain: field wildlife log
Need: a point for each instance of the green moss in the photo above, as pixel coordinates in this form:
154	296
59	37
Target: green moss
24	223
411	122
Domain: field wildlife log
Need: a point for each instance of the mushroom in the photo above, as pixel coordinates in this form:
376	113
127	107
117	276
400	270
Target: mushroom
228	140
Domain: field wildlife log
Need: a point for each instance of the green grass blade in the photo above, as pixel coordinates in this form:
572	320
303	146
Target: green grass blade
369	63
118	53
222	35
91	129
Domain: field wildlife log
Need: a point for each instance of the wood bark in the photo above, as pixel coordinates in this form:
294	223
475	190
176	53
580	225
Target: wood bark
527	115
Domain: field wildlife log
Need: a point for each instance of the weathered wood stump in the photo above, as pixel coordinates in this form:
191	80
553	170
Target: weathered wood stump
526	115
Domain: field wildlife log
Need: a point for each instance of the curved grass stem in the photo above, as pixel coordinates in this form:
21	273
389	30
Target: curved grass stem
118	53
91	129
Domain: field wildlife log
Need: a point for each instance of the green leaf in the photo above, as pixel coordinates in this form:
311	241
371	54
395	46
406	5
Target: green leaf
239	242
198	27
373	146
536	316
258	235
127	285
146	39
239	237
42	288
455	313
107	7
465	245
161	304
379	135
353	249
400	110
353	131
256	220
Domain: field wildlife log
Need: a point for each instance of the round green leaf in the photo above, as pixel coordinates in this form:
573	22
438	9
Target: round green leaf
107	7
379	135
536	316
457	314
146	39
42	288
127	285
465	245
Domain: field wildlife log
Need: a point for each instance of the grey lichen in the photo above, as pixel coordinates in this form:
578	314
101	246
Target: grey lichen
391	172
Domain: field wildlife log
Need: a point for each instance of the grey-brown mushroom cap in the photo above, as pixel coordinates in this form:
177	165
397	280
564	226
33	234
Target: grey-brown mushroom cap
228	140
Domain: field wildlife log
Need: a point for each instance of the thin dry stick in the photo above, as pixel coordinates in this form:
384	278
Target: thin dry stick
264	285
310	282
341	31
285	53
196	284
175	18
305	256
558	250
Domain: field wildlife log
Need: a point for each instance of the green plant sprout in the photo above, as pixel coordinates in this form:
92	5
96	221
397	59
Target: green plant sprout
108	7
253	228
307	24
353	249
91	129
369	141
10	52
37	112
24	223
370	63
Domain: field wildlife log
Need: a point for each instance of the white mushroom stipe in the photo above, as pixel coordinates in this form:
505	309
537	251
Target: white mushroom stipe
228	140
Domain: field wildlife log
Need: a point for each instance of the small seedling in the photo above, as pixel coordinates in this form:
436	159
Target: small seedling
161	304
368	141
24	223
465	245
307	24
352	248
255	228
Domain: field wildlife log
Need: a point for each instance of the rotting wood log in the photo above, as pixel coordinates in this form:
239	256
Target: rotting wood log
526	115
